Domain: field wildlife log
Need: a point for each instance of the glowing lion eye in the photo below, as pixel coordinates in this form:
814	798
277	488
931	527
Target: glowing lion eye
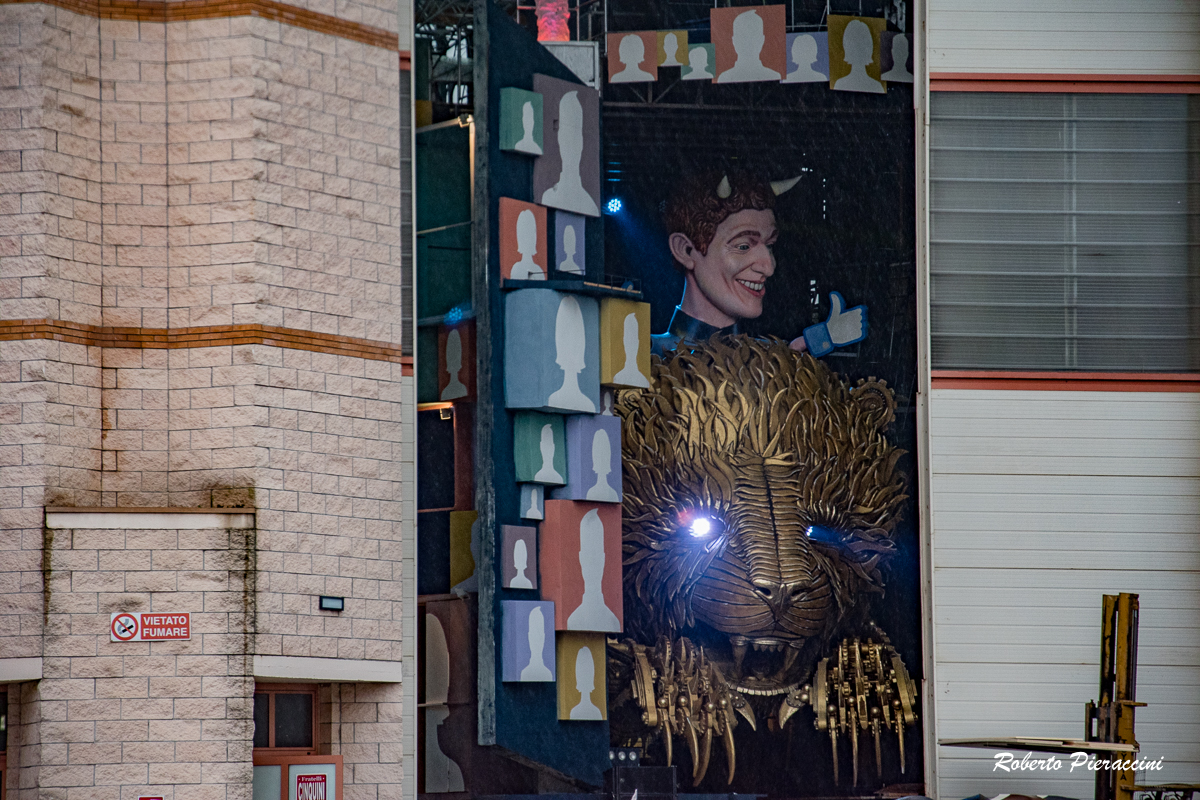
819	533
704	526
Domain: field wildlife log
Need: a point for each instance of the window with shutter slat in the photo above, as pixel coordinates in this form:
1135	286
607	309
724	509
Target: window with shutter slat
1064	231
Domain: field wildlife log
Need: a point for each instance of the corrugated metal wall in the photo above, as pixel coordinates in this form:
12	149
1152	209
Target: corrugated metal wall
1043	502
1065	36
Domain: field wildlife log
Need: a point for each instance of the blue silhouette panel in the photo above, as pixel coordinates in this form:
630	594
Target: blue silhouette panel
551	351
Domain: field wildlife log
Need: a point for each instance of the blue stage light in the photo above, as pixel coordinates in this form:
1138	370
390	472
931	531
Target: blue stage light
457	314
613	205
700	527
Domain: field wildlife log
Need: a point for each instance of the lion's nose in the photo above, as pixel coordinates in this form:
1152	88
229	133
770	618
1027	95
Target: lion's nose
779	596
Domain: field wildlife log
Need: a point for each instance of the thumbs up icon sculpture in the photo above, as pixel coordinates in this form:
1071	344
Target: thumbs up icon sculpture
842	328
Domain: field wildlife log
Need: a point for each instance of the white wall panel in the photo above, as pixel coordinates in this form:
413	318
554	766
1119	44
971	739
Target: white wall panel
1070	36
1042	503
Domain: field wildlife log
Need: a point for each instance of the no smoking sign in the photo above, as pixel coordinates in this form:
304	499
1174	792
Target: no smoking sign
126	626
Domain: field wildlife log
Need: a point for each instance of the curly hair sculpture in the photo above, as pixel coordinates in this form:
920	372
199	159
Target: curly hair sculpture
697	208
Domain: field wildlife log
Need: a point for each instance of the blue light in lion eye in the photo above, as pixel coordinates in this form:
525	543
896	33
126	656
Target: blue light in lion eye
821	534
700	527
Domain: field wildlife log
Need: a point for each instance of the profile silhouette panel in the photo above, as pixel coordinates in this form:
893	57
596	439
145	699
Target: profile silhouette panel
533	497
700	63
624	343
607	398
527	646
633	57
895	57
464	551
437	662
672	48
521	121
446	693
593	459
854	45
551	352
540	448
567	175
570	253
518	557
456	361
442	774
582	694
749	43
457	632
808	58
580	560
522	240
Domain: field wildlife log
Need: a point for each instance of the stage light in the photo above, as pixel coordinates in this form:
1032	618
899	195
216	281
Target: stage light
613	205
701	527
457	314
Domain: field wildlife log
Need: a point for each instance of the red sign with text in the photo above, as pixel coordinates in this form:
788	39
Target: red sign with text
310	787
127	626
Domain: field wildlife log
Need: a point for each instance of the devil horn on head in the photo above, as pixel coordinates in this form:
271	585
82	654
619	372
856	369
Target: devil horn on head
779	187
724	189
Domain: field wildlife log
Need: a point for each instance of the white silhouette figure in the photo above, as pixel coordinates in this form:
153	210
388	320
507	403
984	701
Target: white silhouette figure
569	194
527	144
630	375
547	473
632	53
748	41
593	613
455	388
569	244
437	662
471	582
804	54
585	683
570	344
698	64
602	466
531	501
536	669
899	71
858	47
606	401
671	50
441	773
520	564
527	269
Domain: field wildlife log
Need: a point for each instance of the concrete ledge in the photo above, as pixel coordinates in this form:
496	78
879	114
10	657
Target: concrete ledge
326	670
13	670
190	519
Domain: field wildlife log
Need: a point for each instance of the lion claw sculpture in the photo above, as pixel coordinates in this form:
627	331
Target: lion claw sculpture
680	692
760	501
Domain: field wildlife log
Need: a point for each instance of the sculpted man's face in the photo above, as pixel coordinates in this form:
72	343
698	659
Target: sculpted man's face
731	277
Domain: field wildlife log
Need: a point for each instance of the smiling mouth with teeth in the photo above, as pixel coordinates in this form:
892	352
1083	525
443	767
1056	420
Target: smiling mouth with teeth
754	287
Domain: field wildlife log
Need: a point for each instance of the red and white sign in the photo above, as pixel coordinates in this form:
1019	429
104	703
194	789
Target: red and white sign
310	787
144	627
150	798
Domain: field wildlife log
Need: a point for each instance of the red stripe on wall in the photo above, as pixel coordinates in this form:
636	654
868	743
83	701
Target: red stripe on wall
1067	381
1063	82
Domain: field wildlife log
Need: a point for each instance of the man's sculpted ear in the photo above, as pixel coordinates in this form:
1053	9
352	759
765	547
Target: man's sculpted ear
683	250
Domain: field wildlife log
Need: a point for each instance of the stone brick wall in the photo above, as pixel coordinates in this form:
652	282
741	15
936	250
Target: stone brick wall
49	164
50	433
113	720
172	168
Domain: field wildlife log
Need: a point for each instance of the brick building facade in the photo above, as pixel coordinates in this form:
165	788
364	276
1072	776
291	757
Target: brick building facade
206	392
